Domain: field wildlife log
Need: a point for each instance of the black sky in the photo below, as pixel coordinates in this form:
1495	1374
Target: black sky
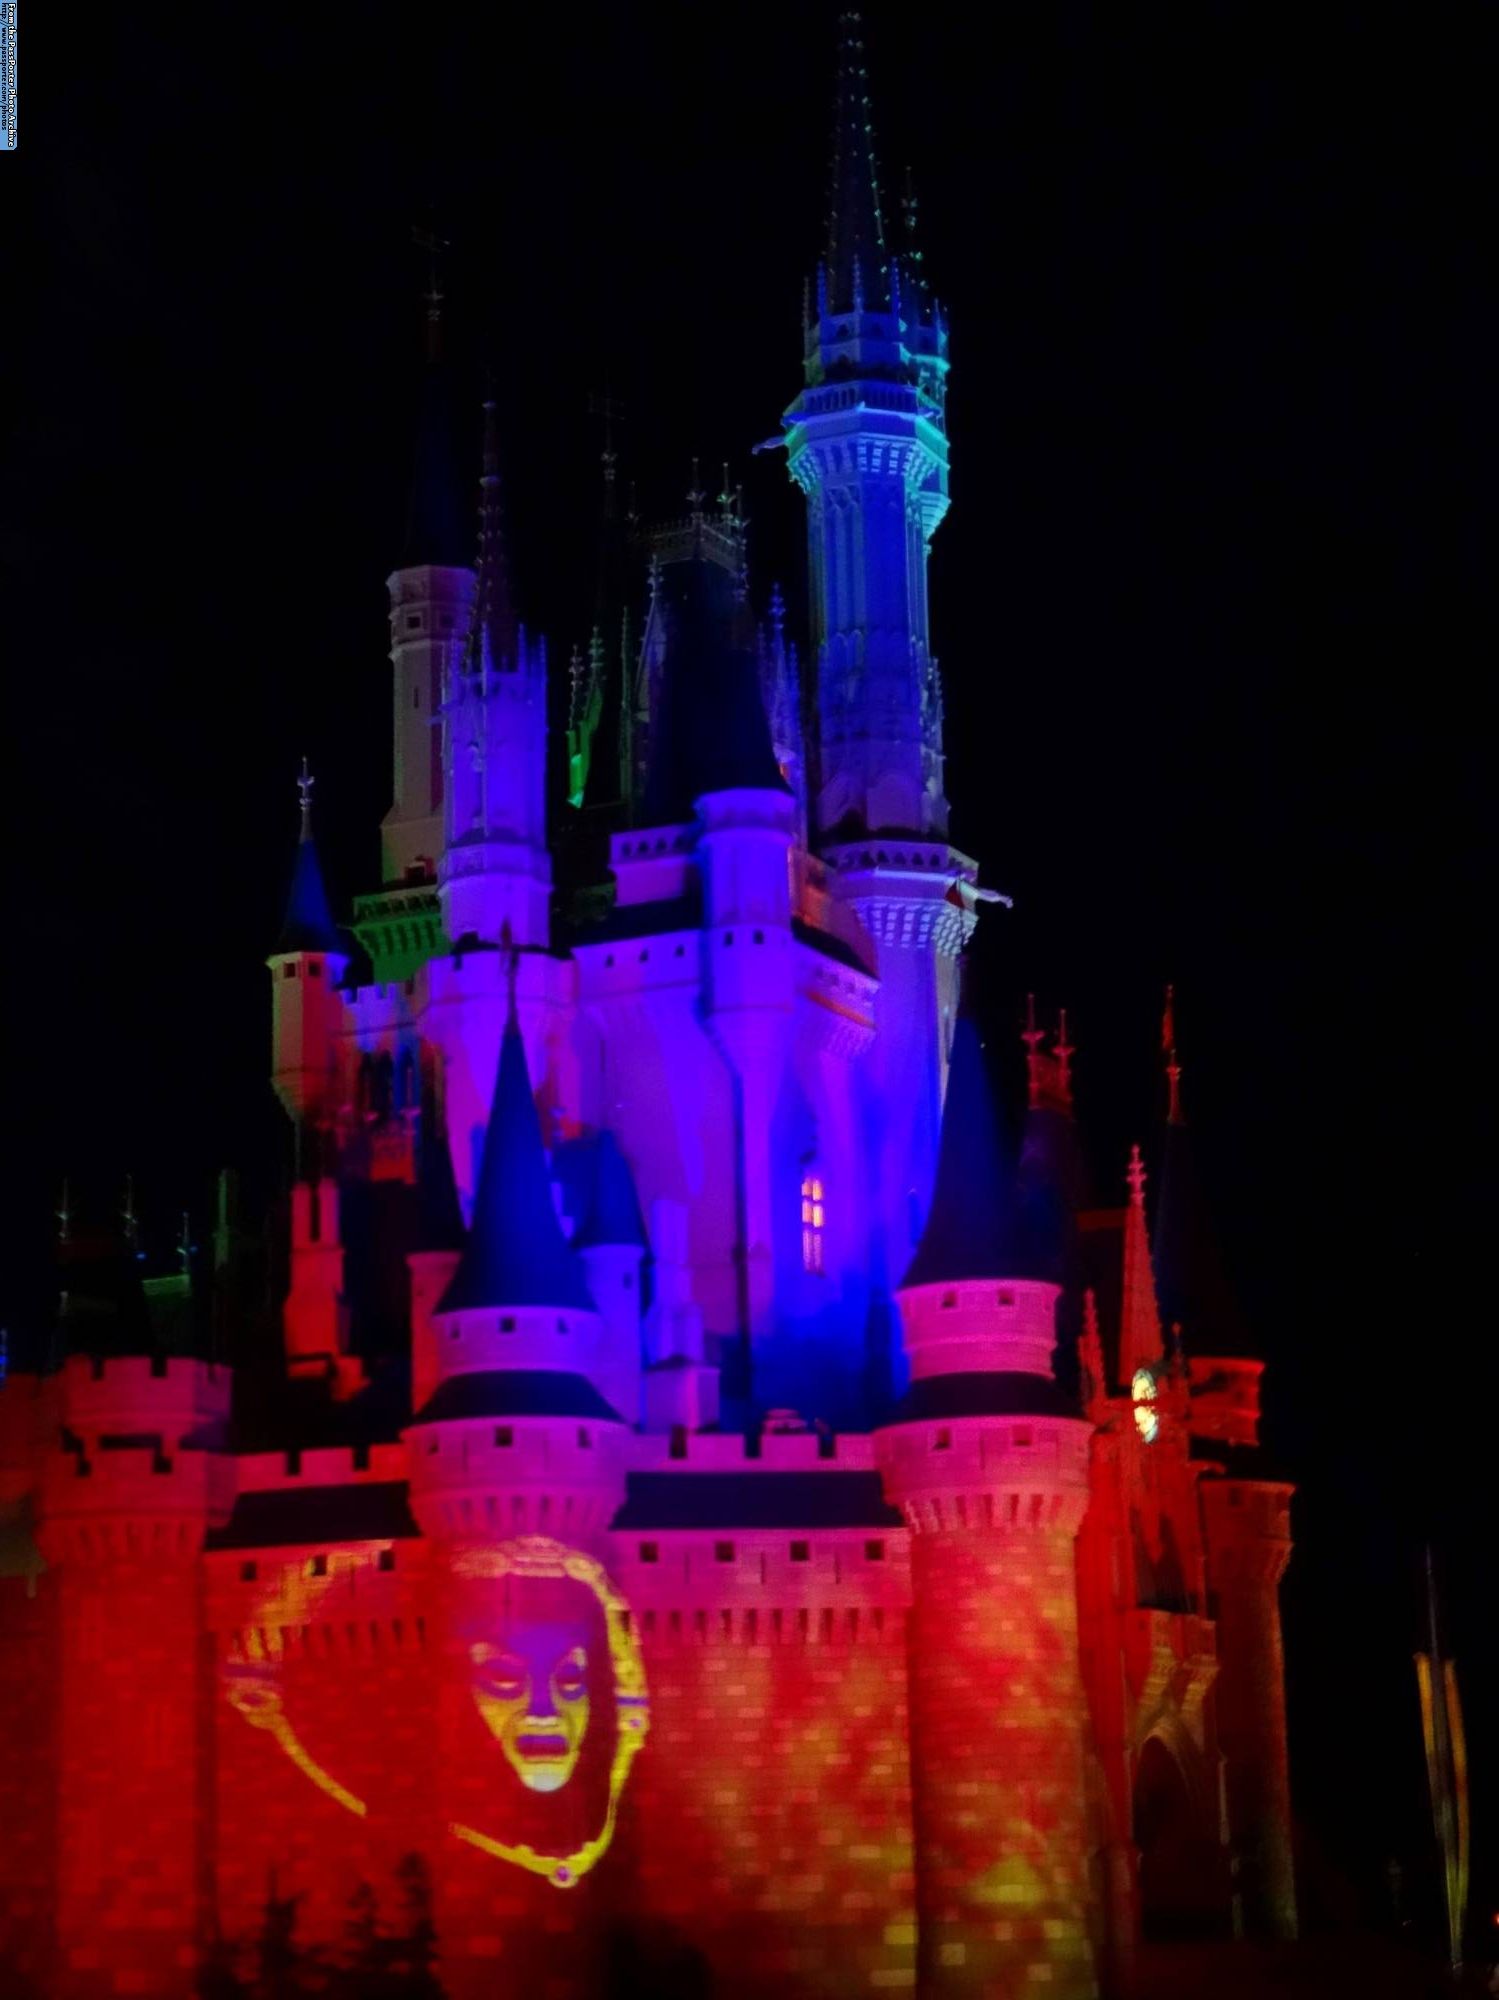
1208	603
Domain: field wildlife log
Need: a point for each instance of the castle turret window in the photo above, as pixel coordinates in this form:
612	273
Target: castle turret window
814	1213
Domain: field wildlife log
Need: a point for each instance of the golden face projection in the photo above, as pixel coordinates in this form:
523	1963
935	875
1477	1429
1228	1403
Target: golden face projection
544	1662
537	1617
533	1696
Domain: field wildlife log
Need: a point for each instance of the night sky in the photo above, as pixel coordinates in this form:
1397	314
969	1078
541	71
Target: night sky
1208	605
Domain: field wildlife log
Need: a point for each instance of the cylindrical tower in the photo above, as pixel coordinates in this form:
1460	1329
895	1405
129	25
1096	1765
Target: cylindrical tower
517	1470
127	1499
989	1465
1246	1524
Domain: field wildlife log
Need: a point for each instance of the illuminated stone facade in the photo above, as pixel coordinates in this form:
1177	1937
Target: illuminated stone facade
716	1515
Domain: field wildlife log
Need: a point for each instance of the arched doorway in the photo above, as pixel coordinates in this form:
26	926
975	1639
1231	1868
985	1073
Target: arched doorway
1183	1885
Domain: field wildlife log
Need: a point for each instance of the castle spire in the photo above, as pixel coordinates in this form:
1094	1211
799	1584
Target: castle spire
1173	1066
495	618
308	924
435	532
857	260
971	1228
1140	1341
516	1254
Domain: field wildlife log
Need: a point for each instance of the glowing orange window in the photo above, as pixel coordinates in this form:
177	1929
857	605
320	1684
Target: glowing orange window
813	1215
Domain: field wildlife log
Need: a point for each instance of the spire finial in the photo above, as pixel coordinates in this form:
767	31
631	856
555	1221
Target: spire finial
185	1245
1032	1036
1136	1177
64	1216
129	1220
856	259
695	493
426	238
1063	1050
494	620
305	783
1094	1385
1173	1067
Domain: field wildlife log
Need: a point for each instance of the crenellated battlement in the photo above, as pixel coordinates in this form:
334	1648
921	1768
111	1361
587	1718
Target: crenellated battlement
795	1579
130	1394
332	1465
1012	1475
494	1478
772	1451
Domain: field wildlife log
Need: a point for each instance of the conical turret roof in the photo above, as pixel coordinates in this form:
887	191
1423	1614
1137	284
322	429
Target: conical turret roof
972	1228
857	259
516	1253
308	924
712	734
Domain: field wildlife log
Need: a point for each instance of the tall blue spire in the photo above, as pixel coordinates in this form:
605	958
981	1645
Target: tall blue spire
516	1254
308	924
972	1227
857	262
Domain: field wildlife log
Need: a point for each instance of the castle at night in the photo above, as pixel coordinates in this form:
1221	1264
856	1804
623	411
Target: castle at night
720	1498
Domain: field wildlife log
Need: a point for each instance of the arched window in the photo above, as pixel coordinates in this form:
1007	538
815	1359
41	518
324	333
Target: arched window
814	1212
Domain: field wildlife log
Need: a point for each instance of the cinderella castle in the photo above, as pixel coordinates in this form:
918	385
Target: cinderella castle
711	1510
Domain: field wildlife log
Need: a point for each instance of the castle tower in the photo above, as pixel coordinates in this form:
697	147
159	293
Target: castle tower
495	877
712	705
315	1315
866	440
867	443
1246	1521
611	1245
989	1464
127	1496
306	966
431	617
517	1469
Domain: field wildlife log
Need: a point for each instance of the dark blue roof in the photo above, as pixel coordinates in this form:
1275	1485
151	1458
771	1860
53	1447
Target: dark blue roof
372	1511
613	1211
709	733
516	1253
1050	1186
972	1229
756	1499
516	1392
438	527
1003	1393
439	1218
308	924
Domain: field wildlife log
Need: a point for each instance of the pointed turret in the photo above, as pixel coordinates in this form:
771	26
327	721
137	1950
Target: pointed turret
1190	1280
431	613
437	533
857	258
308	923
1051	1174
494	621
971	1229
516	1254
1140	1341
308	963
613	1215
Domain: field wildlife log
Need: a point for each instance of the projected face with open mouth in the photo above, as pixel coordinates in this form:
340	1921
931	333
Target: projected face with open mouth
532	1691
544	1664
